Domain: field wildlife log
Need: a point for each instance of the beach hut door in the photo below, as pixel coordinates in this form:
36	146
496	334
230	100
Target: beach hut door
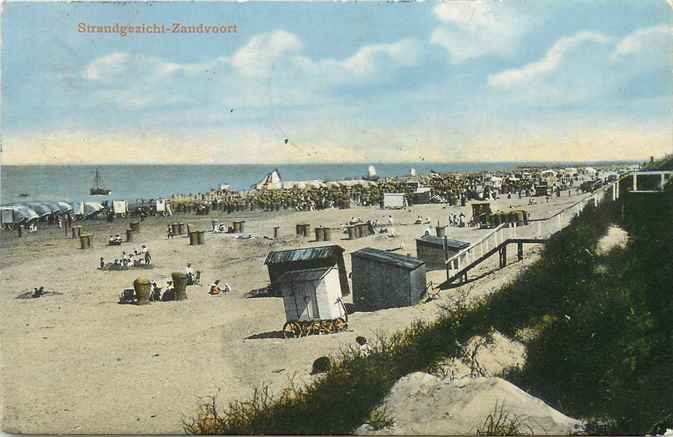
306	301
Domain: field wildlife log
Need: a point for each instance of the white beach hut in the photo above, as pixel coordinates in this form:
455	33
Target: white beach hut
312	294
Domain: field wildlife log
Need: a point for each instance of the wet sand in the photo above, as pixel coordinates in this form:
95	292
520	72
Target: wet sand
79	362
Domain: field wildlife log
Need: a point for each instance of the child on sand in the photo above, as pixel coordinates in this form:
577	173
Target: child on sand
365	349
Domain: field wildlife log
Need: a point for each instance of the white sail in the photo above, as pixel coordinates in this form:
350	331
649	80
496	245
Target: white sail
371	171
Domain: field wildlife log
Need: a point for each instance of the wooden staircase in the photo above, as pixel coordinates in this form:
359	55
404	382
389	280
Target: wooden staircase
501	249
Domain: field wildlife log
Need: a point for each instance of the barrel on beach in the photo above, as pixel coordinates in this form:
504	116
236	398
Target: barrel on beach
85	241
135	226
238	227
142	288
319	234
351	232
201	236
300	230
327	234
193	238
181	229
76	232
180	285
129	235
174	229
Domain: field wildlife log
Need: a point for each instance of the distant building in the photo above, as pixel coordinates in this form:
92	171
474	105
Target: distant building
386	280
283	261
431	250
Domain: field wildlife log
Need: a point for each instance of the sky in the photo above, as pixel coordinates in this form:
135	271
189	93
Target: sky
481	80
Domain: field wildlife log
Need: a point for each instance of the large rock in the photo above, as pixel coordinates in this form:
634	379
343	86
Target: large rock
421	403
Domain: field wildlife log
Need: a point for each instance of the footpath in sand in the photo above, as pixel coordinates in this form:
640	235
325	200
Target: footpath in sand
78	362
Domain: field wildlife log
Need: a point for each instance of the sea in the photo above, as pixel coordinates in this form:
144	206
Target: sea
133	182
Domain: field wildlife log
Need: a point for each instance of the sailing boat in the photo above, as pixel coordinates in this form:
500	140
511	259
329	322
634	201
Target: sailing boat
371	174
98	189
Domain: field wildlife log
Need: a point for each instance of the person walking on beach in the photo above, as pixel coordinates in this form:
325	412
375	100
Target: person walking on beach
146	254
190	273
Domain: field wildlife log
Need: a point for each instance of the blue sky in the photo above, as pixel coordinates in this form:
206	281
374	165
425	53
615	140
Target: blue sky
343	82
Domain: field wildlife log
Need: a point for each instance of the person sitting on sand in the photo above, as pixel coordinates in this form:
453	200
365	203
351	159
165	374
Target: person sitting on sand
365	349
101	264
111	240
215	288
418	221
155	294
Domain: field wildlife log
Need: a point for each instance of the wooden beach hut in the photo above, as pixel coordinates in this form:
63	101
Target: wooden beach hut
394	200
435	250
386	280
283	261
312	294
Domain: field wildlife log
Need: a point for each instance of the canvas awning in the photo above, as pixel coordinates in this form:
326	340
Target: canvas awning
20	213
92	208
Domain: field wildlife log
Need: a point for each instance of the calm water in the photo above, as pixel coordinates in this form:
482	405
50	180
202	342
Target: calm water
72	183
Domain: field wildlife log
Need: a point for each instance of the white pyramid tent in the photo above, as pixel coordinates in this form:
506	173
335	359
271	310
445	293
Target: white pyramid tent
271	181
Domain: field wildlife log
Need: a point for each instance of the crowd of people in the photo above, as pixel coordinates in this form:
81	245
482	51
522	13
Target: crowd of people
452	189
135	258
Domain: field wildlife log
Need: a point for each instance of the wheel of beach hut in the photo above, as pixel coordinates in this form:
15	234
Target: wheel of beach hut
315	328
326	327
305	328
339	325
291	330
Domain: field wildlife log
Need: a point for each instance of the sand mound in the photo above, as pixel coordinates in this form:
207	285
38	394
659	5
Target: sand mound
616	237
421	403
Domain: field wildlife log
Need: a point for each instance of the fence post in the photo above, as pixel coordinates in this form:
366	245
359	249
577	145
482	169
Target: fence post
635	185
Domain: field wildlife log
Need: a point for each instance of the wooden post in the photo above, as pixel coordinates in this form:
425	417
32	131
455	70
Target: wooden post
635	184
275	231
519	251
663	181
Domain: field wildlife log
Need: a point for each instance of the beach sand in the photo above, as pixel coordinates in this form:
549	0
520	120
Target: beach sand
79	362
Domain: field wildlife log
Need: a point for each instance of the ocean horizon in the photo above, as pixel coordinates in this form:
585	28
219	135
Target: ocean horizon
145	181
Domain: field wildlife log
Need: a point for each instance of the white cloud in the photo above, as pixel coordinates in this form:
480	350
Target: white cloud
472	29
131	81
258	56
657	40
369	59
548	64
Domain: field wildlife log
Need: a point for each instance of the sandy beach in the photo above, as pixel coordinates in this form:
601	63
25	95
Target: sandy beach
79	362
